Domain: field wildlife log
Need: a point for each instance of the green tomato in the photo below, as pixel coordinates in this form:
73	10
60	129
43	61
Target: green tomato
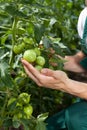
24	98
37	50
38	67
28	110
11	100
40	60
16	49
19	48
29	55
17	116
28	40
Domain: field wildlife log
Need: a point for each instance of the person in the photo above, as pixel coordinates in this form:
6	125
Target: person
75	116
79	60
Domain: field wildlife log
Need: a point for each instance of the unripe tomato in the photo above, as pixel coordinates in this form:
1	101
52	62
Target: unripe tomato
37	51
29	55
24	98
40	60
19	48
28	110
17	116
38	67
28	40
22	45
16	49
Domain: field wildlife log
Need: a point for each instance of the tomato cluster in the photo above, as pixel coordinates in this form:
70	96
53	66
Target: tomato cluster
22	44
17	49
23	108
30	53
34	56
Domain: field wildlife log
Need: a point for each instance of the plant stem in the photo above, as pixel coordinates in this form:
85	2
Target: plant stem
3	108
14	27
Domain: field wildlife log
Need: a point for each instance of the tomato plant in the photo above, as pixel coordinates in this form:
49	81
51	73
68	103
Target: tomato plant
34	30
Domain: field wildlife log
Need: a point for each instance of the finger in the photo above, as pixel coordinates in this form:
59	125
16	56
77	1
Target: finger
42	79
31	76
50	73
47	72
30	68
45	81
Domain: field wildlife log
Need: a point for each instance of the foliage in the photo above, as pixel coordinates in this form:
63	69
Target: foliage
28	24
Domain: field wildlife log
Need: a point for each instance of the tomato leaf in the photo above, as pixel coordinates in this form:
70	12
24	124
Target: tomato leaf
40	126
38	31
5	76
42	117
16	124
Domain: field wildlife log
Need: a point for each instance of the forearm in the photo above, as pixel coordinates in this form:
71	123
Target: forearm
76	88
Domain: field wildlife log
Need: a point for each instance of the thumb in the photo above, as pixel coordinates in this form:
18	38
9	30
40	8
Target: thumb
47	72
55	74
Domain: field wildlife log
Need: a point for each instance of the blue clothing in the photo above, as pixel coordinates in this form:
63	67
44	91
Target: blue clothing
72	118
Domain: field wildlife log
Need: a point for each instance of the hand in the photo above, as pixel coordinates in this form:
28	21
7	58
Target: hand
72	63
47	77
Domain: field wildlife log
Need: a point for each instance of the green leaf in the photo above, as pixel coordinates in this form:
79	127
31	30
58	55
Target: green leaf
61	45
3	68
42	117
40	126
47	42
52	21
12	10
16	124
4	38
7	80
38	31
26	124
3	56
5	76
26	1
7	122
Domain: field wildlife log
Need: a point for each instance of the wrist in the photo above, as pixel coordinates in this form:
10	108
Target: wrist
69	87
76	88
64	84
